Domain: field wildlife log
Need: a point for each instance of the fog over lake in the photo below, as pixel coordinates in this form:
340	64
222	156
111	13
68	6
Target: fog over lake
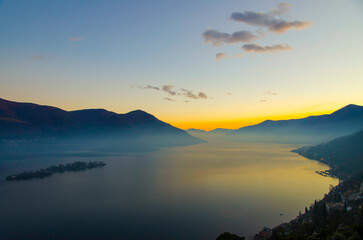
189	192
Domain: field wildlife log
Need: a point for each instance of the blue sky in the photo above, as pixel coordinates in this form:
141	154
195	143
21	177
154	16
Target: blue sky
103	54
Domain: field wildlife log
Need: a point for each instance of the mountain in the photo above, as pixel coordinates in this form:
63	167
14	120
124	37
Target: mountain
344	155
345	121
220	131
135	121
92	127
215	131
27	119
196	131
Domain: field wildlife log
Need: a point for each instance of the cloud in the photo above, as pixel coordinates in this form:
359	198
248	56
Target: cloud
270	93
75	39
202	95
190	94
217	38
271	20
221	55
168	89
281	9
266	49
263	100
150	87
38	57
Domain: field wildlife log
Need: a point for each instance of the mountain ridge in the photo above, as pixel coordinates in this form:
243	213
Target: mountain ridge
317	128
29	121
344	154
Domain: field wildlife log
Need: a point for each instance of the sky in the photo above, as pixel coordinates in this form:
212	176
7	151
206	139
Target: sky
195	64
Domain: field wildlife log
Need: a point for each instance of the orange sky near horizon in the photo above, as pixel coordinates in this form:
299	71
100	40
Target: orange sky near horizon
238	123
197	71
210	119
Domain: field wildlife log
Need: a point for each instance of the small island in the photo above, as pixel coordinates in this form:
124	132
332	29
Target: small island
61	168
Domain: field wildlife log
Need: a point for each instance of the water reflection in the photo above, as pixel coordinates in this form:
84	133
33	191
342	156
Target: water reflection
193	192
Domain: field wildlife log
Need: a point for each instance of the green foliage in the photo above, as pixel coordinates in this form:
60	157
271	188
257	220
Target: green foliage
338	236
229	236
355	236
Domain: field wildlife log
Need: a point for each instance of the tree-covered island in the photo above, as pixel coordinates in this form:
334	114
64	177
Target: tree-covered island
61	168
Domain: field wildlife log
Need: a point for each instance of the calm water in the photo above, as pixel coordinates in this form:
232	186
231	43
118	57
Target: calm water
193	192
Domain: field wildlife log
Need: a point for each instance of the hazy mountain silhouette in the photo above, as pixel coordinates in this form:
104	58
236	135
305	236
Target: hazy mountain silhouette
344	155
196	131
313	129
217	131
221	131
28	121
342	122
106	119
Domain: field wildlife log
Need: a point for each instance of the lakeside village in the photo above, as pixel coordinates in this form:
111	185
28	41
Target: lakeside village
340	212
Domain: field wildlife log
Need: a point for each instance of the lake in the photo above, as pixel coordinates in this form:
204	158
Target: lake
189	192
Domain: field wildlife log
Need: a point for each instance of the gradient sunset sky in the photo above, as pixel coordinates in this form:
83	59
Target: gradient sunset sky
201	64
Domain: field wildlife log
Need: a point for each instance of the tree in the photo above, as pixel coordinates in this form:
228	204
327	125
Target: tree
338	236
229	236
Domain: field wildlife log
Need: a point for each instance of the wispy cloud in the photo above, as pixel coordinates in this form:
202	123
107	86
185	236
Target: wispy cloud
263	100
75	39
168	89
267	92
202	95
217	38
190	94
150	87
38	57
221	55
271	20
266	49
281	9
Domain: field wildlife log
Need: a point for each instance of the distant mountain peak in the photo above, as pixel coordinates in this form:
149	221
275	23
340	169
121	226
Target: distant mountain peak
350	107
95	110
139	114
29	121
195	130
268	121
138	111
351	110
314	128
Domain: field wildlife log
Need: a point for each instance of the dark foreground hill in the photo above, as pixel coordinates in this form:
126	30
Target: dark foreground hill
339	215
28	126
344	155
